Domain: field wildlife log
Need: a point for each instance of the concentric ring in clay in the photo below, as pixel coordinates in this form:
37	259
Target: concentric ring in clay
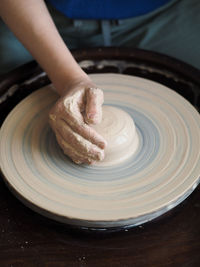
161	173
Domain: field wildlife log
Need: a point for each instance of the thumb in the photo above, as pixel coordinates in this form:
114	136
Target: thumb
93	109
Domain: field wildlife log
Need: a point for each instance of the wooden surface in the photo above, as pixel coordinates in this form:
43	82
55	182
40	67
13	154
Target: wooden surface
29	239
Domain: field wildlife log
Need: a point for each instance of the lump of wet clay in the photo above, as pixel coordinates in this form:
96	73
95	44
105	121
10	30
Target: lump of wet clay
118	129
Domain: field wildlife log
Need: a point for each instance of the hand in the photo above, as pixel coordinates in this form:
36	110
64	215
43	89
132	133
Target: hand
70	118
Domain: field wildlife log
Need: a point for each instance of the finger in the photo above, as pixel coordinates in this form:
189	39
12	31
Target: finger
69	111
94	101
70	152
84	130
72	116
78	143
73	103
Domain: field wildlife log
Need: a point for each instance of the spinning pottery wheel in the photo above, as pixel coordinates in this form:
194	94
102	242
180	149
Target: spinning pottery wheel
161	173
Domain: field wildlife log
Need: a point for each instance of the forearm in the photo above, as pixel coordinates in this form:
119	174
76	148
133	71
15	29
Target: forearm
31	22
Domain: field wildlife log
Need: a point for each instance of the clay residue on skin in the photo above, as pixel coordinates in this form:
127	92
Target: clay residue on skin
94	101
77	139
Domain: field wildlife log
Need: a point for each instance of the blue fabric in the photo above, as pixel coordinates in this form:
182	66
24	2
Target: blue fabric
172	30
106	9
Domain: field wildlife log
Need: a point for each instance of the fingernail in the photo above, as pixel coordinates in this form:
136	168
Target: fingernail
94	117
91	115
103	144
100	156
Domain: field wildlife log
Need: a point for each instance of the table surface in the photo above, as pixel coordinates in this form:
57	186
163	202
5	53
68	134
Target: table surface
29	239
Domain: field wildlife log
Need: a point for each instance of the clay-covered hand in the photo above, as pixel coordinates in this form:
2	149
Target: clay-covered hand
71	118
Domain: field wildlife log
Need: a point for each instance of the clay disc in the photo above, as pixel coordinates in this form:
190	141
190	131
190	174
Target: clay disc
163	171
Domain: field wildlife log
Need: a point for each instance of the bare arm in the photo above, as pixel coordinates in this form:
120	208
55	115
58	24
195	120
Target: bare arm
31	22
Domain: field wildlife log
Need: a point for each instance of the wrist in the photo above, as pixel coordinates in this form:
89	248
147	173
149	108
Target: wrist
67	84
